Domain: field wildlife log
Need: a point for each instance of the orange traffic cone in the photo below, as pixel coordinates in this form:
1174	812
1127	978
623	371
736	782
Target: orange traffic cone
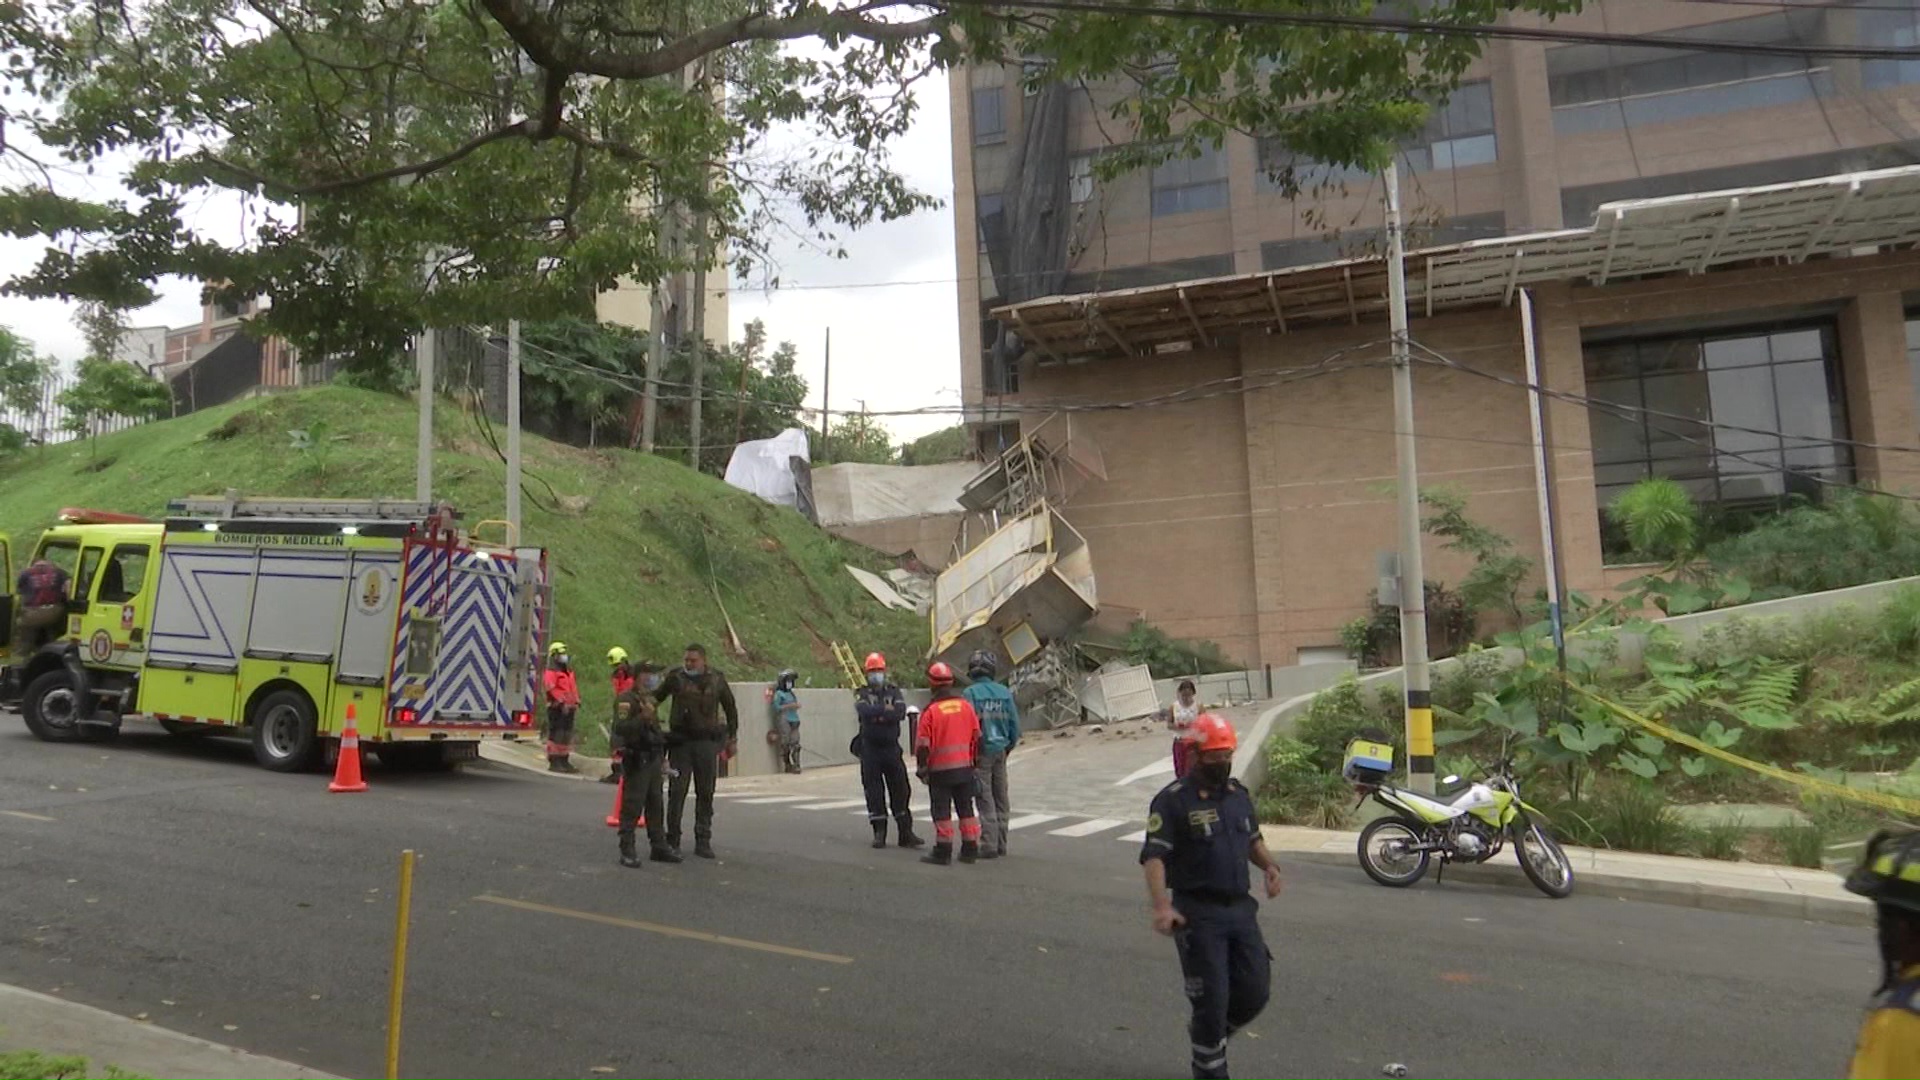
619	795
346	772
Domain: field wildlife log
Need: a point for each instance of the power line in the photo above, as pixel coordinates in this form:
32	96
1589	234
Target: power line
1806	5
1238	17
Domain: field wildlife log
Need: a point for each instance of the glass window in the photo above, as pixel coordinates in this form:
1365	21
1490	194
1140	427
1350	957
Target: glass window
1678	86
1458	133
1894	28
1913	357
989	115
1079	178
89	566
63	554
1309	175
989	205
124	573
1186	185
1739	417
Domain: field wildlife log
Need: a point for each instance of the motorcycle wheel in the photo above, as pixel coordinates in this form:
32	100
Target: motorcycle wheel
1393	869
1541	857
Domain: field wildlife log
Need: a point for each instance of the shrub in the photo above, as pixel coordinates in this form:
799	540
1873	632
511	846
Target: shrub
1659	519
1851	540
1297	791
1720	840
1636	817
1336	715
1803	845
1899	624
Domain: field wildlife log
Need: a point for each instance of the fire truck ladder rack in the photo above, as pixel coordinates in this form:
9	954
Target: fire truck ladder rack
233	505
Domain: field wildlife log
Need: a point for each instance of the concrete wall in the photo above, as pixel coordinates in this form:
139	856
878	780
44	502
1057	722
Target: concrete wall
827	723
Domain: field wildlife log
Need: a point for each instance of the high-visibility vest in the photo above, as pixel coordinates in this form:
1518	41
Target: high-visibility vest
561	688
949	731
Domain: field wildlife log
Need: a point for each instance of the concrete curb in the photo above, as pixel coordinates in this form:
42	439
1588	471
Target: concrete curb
56	1026
1694	894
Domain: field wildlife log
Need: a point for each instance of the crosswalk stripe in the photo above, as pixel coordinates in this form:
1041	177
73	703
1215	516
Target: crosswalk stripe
838	804
1135	837
765	799
1032	819
1088	828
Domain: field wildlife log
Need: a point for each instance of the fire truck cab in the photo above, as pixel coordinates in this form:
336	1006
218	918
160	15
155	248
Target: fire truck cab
272	618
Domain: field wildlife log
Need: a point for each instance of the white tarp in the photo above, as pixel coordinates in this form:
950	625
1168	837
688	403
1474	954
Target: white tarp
765	466
854	494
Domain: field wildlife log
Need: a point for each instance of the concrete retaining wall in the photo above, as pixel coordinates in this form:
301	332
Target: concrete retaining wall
827	723
1250	763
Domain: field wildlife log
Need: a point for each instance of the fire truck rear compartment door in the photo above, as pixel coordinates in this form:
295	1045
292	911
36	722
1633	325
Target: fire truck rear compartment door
366	637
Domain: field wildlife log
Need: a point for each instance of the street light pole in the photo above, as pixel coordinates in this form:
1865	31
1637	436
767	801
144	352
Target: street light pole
423	459
513	429
1413	578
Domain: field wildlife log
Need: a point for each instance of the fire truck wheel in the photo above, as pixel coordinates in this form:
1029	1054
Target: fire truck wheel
286	736
51	708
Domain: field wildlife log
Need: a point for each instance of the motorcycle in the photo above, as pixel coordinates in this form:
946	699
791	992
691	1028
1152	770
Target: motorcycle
1469	827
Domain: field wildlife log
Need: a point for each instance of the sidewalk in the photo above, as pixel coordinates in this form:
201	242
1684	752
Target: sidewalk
1746	888
56	1027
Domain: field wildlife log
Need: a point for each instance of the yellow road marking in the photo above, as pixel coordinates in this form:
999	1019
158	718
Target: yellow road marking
24	814
667	931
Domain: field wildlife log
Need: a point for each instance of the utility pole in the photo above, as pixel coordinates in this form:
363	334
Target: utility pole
1543	479
826	384
513	428
697	327
1413	577
656	336
423	460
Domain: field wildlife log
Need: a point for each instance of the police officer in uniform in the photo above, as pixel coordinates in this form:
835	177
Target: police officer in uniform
642	749
1201	835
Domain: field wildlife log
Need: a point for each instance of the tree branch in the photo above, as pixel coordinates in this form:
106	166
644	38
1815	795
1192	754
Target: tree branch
522	129
548	44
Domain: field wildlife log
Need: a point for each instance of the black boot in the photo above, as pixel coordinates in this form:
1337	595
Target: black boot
907	837
941	855
879	834
704	849
612	777
566	765
662	853
553	763
629	852
969	851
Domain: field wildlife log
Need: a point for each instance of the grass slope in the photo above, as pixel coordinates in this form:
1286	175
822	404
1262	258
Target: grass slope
638	541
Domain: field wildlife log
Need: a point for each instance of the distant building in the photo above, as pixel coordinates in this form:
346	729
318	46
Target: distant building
213	362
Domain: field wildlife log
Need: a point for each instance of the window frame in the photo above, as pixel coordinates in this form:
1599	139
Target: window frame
983	136
1166	199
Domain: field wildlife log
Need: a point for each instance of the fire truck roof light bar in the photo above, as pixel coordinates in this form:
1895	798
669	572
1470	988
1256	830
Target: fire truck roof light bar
235	506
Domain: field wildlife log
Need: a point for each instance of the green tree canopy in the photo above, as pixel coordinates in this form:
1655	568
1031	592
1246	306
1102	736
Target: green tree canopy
446	162
23	375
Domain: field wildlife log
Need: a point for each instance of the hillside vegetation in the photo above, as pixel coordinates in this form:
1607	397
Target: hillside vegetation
641	545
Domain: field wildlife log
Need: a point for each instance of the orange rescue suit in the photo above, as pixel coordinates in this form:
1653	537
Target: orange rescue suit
949	735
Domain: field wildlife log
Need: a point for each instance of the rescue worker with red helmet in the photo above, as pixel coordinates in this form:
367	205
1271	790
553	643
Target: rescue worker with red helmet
883	768
1202	834
948	751
1889	875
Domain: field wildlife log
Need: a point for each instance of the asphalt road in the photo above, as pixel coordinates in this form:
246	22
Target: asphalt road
177	880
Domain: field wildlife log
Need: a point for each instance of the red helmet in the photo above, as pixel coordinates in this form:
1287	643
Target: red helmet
1210	732
939	674
876	662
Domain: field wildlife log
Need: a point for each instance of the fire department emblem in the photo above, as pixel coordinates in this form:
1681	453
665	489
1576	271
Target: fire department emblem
101	647
372	595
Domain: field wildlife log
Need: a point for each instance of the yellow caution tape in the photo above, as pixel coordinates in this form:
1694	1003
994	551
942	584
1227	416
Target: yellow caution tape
1895	803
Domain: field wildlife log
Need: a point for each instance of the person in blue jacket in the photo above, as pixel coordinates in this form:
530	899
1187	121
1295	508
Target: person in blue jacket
883	768
999	734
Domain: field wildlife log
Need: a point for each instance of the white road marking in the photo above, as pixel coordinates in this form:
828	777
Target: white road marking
1135	837
1158	768
1032	819
24	814
762	800
1088	828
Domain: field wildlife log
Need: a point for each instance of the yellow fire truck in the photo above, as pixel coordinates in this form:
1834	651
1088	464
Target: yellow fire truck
270	617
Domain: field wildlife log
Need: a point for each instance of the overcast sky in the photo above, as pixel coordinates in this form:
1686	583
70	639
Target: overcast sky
894	346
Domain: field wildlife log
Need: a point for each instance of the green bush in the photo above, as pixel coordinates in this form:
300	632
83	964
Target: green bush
1337	714
28	1065
1720	840
1899	624
1803	845
1851	540
1636	817
1297	791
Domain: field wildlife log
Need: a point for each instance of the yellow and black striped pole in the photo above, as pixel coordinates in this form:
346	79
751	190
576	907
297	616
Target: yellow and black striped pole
1413	578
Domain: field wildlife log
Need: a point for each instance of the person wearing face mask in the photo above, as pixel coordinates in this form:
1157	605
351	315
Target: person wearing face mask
642	747
563	705
623	675
1201	836
705	720
784	710
883	768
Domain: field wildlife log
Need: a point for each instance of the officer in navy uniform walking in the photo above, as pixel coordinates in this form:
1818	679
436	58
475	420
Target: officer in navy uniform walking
1201	835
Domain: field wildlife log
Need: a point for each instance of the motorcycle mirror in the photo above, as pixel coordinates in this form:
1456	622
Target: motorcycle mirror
1450	779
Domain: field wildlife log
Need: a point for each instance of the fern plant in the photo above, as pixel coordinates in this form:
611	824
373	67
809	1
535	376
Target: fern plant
1900	703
